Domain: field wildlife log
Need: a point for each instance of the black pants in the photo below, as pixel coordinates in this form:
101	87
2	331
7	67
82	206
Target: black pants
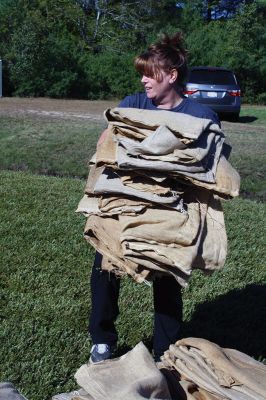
167	308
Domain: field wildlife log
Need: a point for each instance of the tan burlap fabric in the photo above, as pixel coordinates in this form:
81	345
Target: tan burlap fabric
161	239
104	234
183	125
227	179
110	206
192	369
224	373
147	221
131	377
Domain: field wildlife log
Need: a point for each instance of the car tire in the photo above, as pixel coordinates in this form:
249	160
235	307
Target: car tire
234	117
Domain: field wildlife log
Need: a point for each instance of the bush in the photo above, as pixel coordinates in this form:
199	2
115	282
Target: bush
110	75
261	98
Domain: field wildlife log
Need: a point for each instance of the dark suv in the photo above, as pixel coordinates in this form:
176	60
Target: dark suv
217	88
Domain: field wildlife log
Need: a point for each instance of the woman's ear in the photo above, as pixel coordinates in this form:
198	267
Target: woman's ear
173	76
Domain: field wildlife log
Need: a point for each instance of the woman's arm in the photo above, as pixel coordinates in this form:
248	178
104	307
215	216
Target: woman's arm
102	137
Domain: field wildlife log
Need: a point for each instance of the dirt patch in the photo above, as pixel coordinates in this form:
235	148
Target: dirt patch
53	108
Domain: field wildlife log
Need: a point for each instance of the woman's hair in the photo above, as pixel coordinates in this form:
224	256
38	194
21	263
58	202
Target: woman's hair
167	54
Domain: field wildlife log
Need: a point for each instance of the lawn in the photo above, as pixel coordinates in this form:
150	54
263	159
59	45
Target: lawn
46	263
253	114
248	140
46	146
61	147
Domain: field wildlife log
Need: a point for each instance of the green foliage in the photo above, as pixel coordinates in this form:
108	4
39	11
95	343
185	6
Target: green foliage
42	50
110	75
247	50
241	47
44	58
261	98
83	49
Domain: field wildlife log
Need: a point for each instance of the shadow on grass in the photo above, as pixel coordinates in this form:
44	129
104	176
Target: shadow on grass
235	320
257	196
245	119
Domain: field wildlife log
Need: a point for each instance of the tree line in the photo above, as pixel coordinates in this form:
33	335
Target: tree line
85	48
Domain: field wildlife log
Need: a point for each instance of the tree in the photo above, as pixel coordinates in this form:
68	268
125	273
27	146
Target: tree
85	48
237	43
126	24
217	9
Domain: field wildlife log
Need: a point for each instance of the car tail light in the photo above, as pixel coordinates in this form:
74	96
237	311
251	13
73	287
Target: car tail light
190	91
234	93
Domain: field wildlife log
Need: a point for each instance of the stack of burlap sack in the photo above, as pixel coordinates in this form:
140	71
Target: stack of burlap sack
152	199
192	369
211	372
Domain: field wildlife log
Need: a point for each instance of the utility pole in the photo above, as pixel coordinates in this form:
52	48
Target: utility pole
1	86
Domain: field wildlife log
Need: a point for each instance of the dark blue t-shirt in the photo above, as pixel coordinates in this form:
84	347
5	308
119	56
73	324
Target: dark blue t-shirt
187	106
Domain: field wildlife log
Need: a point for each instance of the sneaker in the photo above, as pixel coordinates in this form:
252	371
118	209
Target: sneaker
101	352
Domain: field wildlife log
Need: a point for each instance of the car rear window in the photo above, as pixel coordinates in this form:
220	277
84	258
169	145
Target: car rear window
214	77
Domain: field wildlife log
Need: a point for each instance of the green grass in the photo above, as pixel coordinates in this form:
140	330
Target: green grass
253	114
45	273
45	262
63	147
51	147
249	158
248	141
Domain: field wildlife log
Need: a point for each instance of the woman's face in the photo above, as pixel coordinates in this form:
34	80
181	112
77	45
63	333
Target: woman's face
158	90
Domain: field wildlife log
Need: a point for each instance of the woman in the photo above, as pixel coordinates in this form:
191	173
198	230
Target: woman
163	68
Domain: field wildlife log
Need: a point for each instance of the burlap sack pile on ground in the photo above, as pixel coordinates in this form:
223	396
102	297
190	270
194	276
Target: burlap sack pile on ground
192	369
221	373
149	199
130	377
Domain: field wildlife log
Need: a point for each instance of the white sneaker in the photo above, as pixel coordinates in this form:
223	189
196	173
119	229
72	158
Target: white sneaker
101	352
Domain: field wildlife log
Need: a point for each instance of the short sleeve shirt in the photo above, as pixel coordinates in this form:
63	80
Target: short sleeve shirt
187	106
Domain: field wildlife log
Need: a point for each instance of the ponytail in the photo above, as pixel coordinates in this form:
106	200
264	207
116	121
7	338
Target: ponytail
167	54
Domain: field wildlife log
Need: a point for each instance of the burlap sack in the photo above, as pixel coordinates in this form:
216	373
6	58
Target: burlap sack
130	377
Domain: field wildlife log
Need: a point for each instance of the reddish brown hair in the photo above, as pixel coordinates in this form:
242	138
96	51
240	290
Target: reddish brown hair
167	54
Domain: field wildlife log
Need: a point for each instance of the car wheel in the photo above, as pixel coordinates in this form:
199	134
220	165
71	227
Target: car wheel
234	117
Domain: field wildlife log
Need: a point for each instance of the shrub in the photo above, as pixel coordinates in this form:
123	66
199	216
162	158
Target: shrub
261	98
